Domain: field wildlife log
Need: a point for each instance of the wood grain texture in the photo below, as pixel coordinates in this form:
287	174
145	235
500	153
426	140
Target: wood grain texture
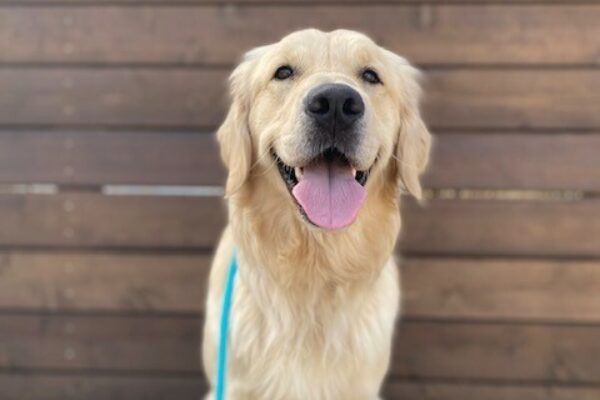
429	34
483	160
100	343
480	227
97	157
108	97
449	227
502	289
486	160
508	99
428	390
36	386
91	220
103	282
513	98
498	352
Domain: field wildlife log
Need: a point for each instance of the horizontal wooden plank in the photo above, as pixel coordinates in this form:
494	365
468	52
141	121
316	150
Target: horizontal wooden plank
498	352
423	350
508	289
100	343
75	281
35	386
446	288
476	160
143	97
473	391
476	227
482	227
515	98
457	34
515	161
110	221
97	157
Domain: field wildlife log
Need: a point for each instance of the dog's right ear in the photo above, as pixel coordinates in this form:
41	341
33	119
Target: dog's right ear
414	139
412	153
234	136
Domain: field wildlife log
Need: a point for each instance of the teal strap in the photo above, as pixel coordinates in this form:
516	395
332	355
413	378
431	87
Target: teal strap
224	329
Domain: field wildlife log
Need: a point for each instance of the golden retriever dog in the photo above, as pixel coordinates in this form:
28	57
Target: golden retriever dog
323	135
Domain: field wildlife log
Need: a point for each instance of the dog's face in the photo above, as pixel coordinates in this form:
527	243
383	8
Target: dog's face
335	113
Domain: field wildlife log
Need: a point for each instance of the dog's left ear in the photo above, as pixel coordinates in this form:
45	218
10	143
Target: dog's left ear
414	139
234	136
236	147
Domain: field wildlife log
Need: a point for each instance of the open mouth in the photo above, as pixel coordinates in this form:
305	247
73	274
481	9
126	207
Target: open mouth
328	190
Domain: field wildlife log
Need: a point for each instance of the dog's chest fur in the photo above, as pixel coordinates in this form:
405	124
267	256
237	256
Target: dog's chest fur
335	346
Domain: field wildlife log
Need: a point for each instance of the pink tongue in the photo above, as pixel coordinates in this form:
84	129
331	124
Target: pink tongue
329	194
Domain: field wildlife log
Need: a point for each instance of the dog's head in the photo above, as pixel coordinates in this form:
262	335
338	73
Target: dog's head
329	119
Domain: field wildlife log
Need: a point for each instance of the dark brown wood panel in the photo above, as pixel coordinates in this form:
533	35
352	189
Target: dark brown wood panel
110	221
35	386
476	160
122	157
105	97
510	353
513	98
103	282
515	161
516	98
460	391
480	227
536	228
100	343
508	289
460	34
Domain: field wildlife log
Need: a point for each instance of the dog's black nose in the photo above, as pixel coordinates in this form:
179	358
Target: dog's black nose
334	106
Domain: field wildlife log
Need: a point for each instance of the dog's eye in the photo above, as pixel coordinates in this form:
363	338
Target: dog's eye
283	72
370	76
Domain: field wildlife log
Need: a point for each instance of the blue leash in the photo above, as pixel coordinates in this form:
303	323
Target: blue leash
224	329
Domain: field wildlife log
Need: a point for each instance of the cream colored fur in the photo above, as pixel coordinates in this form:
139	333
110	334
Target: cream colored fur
313	311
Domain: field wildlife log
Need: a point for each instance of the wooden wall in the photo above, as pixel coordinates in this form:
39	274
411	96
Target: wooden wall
101	290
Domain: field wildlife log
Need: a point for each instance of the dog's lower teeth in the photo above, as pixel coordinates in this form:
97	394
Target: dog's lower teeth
354	172
299	172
